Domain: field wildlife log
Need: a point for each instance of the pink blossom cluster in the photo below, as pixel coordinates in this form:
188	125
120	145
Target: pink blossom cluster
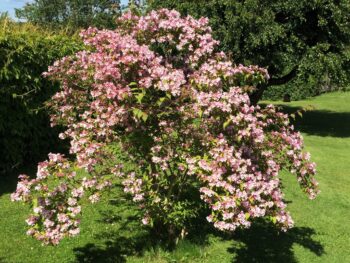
188	35
56	211
54	196
180	113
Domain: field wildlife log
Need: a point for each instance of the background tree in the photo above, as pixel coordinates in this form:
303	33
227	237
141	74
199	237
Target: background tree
71	13
302	43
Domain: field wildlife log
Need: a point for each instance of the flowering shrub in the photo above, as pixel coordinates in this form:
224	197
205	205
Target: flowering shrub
179	113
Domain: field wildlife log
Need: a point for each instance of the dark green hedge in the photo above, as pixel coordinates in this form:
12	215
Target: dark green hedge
25	53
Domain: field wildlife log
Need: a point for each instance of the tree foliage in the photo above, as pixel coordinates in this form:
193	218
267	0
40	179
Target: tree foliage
304	42
72	14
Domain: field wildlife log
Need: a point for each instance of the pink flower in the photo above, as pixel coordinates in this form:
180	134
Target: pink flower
94	198
78	192
62	218
146	220
72	201
32	220
74	231
48	223
74	210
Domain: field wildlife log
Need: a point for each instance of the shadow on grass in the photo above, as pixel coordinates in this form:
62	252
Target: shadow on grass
125	236
261	243
264	243
116	249
8	182
321	122
9	178
128	237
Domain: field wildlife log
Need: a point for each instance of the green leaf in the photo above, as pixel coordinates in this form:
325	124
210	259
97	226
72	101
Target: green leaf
139	97
136	112
132	84
139	114
274	219
160	101
35	202
144	116
197	122
200	113
227	123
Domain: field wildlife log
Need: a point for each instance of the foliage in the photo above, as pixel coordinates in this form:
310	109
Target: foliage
25	52
303	43
185	138
327	72
71	14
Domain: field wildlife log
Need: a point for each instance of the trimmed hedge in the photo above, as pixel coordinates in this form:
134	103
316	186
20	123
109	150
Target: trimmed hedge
25	53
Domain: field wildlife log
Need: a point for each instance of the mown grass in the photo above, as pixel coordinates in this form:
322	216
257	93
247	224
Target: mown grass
111	231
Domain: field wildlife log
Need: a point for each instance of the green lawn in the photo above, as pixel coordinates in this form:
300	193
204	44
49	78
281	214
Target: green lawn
110	232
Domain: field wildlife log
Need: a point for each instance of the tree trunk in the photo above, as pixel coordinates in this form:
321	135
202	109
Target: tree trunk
256	96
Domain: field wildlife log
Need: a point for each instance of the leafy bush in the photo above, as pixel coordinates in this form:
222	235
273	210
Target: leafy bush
152	106
25	52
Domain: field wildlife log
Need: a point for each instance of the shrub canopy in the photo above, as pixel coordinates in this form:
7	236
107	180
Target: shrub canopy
154	107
